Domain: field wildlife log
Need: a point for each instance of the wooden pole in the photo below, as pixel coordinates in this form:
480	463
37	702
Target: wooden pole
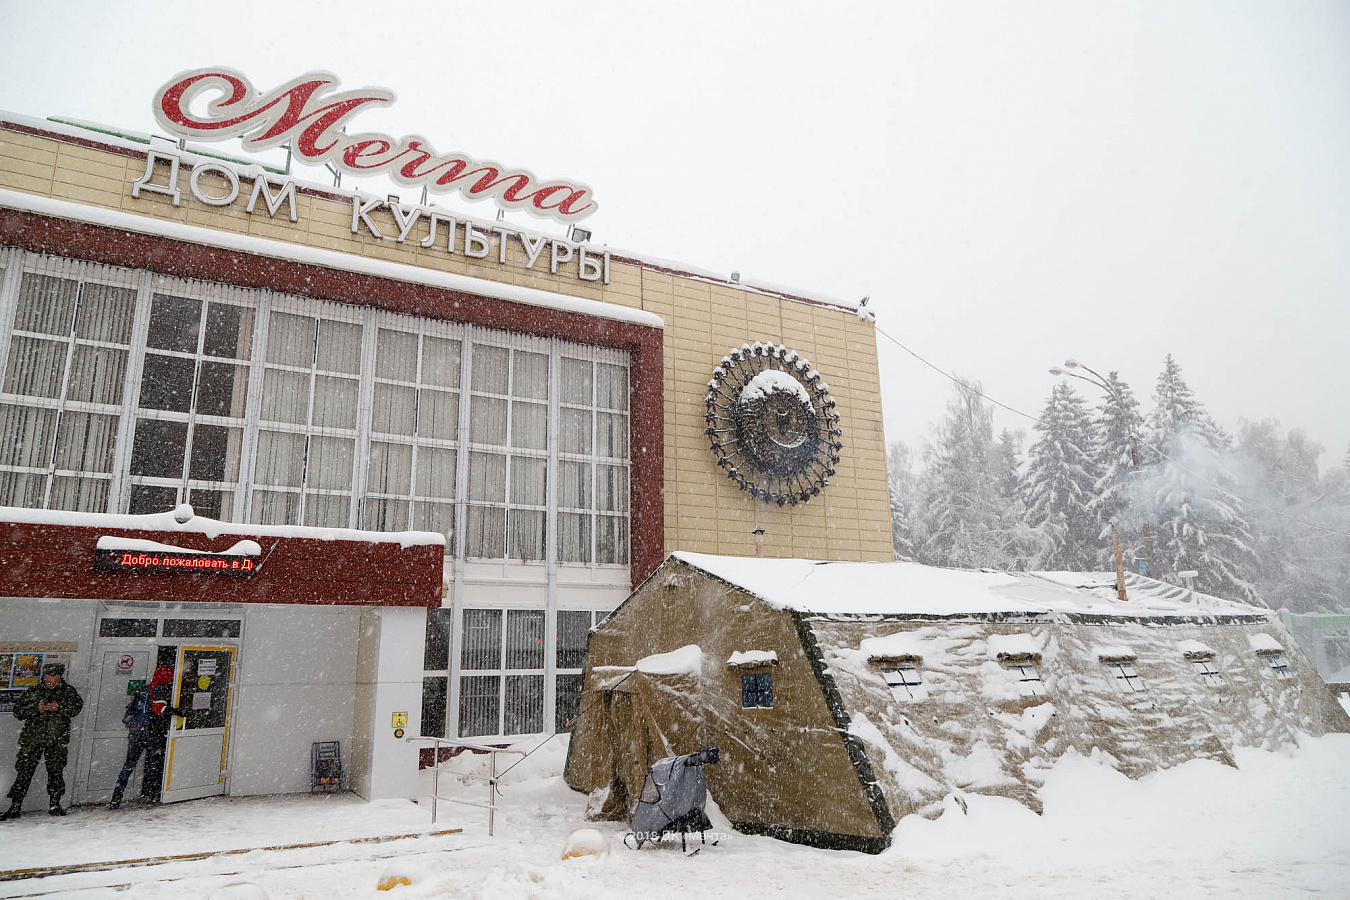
1120	561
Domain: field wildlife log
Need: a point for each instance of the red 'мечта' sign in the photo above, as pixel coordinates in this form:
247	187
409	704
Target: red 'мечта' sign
159	563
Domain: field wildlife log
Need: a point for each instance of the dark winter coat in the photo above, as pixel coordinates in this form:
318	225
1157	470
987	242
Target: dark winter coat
49	728
157	714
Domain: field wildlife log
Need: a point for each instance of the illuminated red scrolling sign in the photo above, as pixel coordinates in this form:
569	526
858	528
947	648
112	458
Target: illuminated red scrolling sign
171	563
304	112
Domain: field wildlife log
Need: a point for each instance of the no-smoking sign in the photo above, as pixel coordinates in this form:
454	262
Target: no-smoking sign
125	663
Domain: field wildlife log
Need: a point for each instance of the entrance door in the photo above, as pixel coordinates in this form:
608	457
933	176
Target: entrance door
122	671
195	766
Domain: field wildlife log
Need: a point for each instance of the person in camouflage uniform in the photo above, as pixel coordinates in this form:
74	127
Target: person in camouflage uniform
46	710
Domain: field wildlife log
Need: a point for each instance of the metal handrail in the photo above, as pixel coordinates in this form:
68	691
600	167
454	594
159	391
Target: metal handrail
491	805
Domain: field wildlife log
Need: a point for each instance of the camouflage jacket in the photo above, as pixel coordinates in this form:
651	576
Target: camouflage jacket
52	726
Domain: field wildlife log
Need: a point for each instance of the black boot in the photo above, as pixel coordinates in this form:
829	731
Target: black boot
14	811
115	802
54	807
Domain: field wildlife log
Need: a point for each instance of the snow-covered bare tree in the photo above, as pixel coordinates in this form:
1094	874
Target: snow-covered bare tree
1061	483
1295	520
1200	522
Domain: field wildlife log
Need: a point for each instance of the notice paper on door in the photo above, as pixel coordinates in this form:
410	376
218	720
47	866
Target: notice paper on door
206	667
201	700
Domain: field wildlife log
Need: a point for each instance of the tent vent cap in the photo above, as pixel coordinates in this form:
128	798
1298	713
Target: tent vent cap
1114	654
1264	643
746	659
1194	650
900	659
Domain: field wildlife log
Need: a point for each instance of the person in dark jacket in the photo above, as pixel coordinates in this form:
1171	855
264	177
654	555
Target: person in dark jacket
46	710
147	718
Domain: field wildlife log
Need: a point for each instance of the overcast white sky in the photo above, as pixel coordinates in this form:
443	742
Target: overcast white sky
1011	183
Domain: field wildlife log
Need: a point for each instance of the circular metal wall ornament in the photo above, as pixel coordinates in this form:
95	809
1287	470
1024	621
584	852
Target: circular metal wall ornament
772	424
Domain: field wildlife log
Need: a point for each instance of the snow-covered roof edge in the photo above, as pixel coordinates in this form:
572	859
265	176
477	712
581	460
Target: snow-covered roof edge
328	259
1002	595
212	528
104	135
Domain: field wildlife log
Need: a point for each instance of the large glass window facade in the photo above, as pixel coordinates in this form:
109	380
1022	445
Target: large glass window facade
129	392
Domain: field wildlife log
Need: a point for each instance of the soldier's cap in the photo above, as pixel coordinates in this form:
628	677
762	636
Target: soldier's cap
54	669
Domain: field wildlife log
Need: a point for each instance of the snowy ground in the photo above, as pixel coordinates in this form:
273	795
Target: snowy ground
1279	826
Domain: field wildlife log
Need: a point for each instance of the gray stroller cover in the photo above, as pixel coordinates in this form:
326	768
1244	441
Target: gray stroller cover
673	796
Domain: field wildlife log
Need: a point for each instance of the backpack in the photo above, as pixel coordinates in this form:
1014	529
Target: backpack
137	715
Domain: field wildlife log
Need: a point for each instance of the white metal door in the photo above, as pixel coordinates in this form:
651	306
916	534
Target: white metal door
122	671
198	742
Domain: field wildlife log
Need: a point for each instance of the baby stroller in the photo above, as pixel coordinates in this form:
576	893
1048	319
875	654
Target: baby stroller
673	796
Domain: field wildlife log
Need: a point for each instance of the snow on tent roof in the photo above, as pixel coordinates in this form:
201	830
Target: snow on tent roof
166	521
904	588
1195	650
1264	643
1013	646
688	660
894	646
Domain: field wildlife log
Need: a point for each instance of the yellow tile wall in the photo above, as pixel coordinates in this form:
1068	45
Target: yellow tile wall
704	510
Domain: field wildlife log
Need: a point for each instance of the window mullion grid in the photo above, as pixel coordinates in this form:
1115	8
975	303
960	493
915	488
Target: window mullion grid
192	402
12	260
119	492
501	675
243	503
309	424
510	451
452	699
416	438
551	443
365	404
61	393
591	464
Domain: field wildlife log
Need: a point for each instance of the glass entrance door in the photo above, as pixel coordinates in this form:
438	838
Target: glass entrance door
198	742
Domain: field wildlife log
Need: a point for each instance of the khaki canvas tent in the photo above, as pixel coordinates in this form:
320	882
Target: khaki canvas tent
844	696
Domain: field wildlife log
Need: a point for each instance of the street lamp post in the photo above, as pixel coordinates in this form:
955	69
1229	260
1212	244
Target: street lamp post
1097	380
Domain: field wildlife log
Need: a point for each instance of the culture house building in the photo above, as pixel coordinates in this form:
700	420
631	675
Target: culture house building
363	468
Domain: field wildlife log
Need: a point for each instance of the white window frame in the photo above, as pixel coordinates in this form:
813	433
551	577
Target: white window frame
420	330
1026	673
905	681
1124	675
1207	671
206	294
14	265
1278	664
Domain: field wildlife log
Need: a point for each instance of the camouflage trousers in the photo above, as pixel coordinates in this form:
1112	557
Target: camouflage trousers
27	762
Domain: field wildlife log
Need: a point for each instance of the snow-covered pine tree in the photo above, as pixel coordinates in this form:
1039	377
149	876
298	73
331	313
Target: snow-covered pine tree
1118	427
1200	523
967	521
1061	483
1174	408
904	495
1023	545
